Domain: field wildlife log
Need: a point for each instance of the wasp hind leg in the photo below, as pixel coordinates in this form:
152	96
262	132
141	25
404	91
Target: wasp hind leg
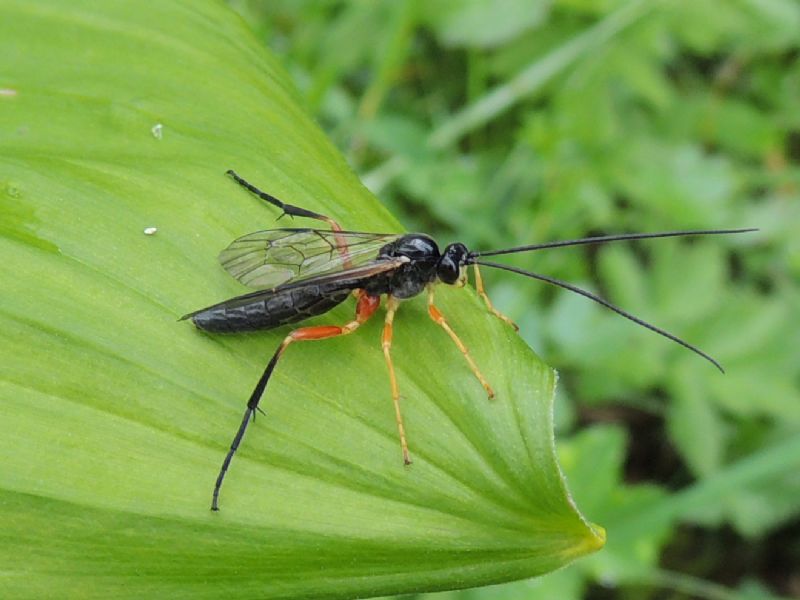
439	319
296	211
288	209
366	306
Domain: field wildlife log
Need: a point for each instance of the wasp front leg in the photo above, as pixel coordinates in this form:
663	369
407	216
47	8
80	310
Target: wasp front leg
482	293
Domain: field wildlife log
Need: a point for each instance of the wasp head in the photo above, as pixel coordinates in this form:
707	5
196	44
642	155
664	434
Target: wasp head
451	266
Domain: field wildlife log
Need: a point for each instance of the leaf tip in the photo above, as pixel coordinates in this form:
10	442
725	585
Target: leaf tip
597	539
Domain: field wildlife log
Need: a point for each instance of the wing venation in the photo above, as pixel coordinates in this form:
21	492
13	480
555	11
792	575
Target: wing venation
266	259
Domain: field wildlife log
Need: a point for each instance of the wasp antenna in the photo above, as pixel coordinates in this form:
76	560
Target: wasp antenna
610	238
607	304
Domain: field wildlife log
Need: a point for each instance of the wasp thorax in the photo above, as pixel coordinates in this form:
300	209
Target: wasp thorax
409	279
415	246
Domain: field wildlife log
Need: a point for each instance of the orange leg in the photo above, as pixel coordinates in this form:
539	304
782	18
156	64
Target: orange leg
365	307
386	343
442	322
482	293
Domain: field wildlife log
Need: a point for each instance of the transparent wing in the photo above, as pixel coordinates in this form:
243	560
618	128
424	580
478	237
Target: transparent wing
266	259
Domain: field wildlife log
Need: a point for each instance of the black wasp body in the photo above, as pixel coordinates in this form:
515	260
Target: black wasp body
255	312
302	273
302	300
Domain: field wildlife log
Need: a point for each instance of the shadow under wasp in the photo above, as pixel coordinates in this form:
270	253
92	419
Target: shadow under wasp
300	273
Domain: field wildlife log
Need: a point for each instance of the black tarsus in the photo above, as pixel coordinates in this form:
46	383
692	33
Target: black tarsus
250	412
608	238
606	303
288	209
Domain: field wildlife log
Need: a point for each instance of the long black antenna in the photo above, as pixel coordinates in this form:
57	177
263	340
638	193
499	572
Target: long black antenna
606	303
608	238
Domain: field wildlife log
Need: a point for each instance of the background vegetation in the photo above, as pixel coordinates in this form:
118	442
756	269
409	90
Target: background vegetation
502	123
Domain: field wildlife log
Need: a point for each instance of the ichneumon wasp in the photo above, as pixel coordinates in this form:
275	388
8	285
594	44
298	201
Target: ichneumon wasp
300	273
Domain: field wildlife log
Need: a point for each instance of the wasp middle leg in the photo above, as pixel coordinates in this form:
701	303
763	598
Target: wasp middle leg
365	307
439	319
392	304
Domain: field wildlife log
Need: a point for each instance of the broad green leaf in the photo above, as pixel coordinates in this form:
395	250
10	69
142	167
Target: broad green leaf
566	584
119	116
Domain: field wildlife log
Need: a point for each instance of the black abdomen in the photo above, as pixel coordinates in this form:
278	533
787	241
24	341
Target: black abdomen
268	309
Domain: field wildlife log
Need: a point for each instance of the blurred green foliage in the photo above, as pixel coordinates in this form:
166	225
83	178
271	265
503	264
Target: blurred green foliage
499	123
